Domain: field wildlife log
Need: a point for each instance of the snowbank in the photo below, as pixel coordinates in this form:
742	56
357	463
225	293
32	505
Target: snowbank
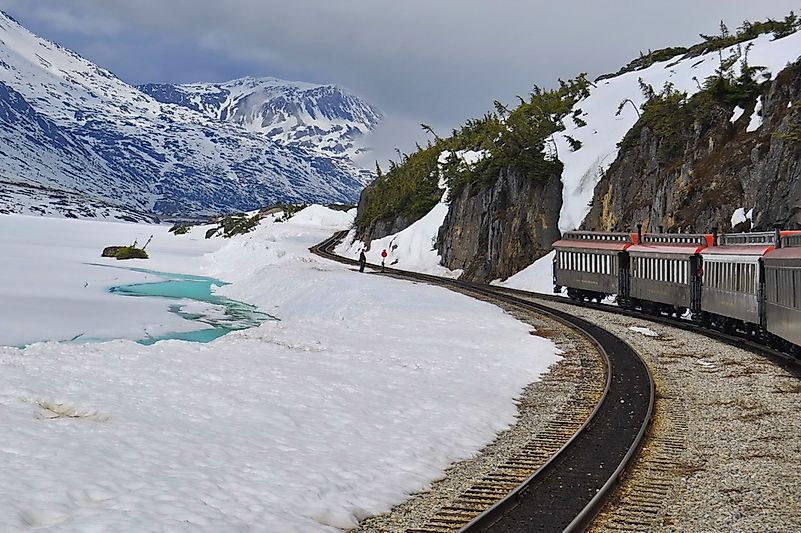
411	249
367	389
537	277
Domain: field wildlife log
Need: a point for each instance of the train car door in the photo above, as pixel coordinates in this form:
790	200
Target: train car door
624	279
696	280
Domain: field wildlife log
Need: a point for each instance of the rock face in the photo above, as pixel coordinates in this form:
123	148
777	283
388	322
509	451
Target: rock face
495	232
382	227
723	167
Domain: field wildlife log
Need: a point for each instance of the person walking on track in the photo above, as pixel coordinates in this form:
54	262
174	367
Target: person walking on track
362	260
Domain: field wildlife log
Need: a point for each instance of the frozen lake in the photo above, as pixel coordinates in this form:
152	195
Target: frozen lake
56	286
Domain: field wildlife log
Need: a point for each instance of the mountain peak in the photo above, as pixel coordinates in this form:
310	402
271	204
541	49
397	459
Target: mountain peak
324	118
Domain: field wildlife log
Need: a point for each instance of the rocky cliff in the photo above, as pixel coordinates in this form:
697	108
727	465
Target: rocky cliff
494	232
726	159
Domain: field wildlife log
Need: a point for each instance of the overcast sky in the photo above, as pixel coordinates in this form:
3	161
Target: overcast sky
434	61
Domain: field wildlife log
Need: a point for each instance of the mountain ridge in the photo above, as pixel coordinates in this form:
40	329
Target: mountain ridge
70	125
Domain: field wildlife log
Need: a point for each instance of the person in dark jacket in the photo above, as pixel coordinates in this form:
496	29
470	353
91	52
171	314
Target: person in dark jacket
362	260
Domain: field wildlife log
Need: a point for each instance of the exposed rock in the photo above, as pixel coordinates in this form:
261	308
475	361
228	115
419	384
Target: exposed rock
124	252
495	232
383	227
722	168
111	251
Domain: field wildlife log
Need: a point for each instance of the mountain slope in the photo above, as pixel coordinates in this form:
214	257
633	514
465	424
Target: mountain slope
68	124
322	118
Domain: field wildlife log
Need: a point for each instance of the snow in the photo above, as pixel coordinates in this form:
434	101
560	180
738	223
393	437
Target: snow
364	391
739	216
644	331
537	277
756	117
738	112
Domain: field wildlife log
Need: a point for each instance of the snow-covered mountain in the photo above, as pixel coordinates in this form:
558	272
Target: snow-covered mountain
322	118
70	126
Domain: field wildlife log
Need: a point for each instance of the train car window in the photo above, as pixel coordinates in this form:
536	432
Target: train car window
729	276
738	280
770	285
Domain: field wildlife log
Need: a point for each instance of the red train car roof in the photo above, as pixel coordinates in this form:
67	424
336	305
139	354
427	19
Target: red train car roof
673	243
592	245
743	249
666	249
784	253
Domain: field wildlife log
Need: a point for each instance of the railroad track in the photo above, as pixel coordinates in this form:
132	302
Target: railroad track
567	491
787	361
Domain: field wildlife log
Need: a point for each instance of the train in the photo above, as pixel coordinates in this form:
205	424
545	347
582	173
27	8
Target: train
744	283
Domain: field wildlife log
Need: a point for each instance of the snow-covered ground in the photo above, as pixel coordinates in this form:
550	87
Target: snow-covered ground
364	391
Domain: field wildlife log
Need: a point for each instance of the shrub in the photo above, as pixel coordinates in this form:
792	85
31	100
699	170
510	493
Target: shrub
129	252
180	229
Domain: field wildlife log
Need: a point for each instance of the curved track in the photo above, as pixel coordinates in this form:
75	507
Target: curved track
568	490
787	361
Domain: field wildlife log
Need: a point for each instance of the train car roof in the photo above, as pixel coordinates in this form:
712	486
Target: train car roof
593	245
740	249
785	253
674	249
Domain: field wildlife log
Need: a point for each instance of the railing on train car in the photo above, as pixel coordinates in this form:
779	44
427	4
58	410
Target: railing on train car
733	239
791	241
675	238
596	236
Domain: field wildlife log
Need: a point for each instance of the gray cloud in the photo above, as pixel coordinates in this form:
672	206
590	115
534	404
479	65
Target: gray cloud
438	61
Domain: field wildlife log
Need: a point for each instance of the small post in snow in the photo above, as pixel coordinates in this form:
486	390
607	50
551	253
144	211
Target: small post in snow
383	258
